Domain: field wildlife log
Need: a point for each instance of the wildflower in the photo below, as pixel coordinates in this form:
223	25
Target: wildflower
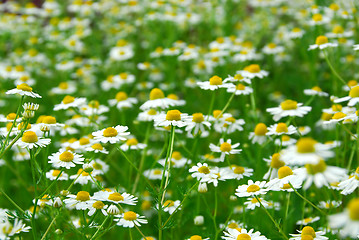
8	229
306	150
242	234
349	185
315	91
111	134
113	210
201	171
132	144
285	177
198	220
158	100
96	148
122	101
280	129
240	89
353	97
176	161
329	204
252	71
214	83
53	174
171	118
196	124
65	159
322	42
116	197
225	148
237	79
170	206
79	201
30	140
154	174
196	237
308	231
275	163
260	134
70	101
23	90
289	108
95	205
238	172
272	48
308	220
148	115
347	221
228	124
130	219
251	189
82	177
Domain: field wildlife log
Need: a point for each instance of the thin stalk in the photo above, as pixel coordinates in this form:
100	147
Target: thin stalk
98	230
271	218
227	105
44	192
12	202
48	228
33	224
333	69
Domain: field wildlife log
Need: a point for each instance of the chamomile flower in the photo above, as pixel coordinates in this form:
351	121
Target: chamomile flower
171	118
225	148
315	91
252	71
82	177
280	129
272	48
122	101
308	220
201	171
96	148
70	101
116	197
251	189
78	201
196	124
238	172
214	83
260	134
54	174
196	237
350	184
289	108
68	87
242	234
154	174
329	204
170	206
228	124
322	42
132	144
96	205
240	89
306	150
9	229
285	177
111	134
275	164
65	159
176	161
130	219
347	221
353	97
158	100
236	79
30	140
308	231
252	203
23	90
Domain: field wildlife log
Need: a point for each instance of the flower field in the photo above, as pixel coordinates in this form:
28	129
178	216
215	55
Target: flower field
179	119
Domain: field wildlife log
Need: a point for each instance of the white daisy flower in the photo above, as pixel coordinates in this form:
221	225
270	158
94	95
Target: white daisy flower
78	201
241	233
225	148
253	71
170	206
122	101
148	115
81	177
111	134
240	89
116	197
285	177
280	129
53	174
70	101
132	144
260	134
350	184
96	148
130	219
315	91
289	108
238	172
308	231
196	124
30	140
236	79
353	97
68	87
95	205
65	159
252	203
201	171
196	237
158	100
308	220
251	189
171	118
214	83
23	90
154	174
272	48
176	161
228	124
322	42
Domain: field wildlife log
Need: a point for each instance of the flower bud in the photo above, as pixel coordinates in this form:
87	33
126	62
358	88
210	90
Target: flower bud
198	220
202	188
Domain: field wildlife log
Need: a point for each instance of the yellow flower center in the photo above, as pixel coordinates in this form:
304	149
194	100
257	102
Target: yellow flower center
56	173
232	225
317	17
132	142
306	145
130	216
24	78
296	30
326	116
253	188
272	45
68	99
238	170
238	77
316	168
338	29
354	92
169	203
97	146
156	93
204	170
157	172
97	166
253	68
24	87
29	137
98	205
321	40
284	172
173	115
195	237
63	85
110	132
49	120
276	162
306	237
353	208
281	127
11	116
316	88
216	113
83	196
215	80
115	197
244	236
176	155
152	112
334	7
289	105
240	87
352	83
308	231
121	96
197	117
66	156
225	147
84	141
172	96
336	107
260	129
339	115
285	138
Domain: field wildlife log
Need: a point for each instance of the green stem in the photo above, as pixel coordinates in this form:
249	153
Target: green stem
47	189
48	228
227	105
10	200
332	68
32	161
98	230
271	218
